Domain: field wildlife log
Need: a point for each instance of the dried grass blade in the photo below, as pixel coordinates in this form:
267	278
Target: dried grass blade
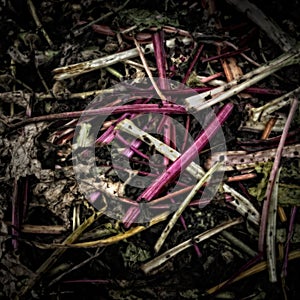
254	270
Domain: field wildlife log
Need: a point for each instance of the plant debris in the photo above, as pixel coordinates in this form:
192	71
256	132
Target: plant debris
149	150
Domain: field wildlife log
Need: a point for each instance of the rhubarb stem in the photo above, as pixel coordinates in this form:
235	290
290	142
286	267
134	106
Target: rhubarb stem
179	164
266	205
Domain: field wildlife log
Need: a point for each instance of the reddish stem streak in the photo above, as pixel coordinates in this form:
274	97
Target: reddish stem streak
265	210
170	174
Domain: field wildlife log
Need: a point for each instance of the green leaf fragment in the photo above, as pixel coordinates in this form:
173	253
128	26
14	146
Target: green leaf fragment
288	196
288	190
134	254
260	190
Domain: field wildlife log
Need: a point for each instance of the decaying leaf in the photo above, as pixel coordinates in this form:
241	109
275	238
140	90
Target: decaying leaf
288	190
134	255
17	97
23	152
289	196
259	191
58	193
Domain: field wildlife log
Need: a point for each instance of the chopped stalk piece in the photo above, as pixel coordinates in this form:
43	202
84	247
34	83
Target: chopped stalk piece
161	61
179	164
106	111
252	145
195	59
258	117
157	261
271	232
265	210
195	170
237	242
130	128
143	59
105	241
52	259
102	62
258	267
207	99
239	160
269	126
183	161
182	207
242	205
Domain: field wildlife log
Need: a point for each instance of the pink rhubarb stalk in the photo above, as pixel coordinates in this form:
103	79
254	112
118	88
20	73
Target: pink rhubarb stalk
161	62
170	174
265	210
290	235
106	111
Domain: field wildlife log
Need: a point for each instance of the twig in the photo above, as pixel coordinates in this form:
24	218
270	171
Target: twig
15	214
38	23
157	261
194	62
70	270
149	73
250	60
272	178
224	55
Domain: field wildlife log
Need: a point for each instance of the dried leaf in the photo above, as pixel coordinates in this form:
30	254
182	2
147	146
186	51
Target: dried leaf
23	152
59	196
134	254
